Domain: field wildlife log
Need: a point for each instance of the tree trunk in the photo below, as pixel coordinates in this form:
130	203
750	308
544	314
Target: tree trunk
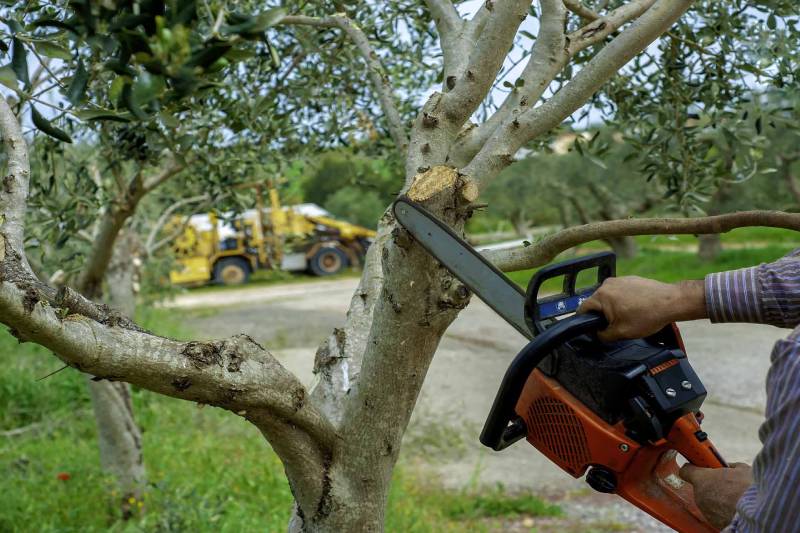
789	177
119	437
398	314
709	246
624	247
119	440
521	224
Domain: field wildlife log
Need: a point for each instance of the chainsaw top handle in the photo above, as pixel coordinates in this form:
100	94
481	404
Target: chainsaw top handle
540	312
497	433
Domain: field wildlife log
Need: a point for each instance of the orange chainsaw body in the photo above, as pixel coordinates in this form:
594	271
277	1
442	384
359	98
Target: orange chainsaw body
574	438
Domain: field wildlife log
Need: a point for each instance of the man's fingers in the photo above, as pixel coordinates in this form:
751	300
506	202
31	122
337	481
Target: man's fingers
593	304
608	335
590	304
691	473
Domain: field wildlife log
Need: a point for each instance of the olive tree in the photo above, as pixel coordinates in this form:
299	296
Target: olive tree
340	439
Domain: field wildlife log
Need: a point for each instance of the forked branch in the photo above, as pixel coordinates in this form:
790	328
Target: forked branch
515	131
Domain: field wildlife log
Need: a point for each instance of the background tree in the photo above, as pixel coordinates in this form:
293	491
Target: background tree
339	441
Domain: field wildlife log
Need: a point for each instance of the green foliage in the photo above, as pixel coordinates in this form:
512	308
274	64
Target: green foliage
26	396
356	205
130	60
352	186
694	106
549	188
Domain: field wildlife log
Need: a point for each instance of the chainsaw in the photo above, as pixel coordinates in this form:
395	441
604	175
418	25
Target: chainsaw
618	412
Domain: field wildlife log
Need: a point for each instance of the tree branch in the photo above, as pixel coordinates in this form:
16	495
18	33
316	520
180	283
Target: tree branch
507	139
548	248
171	169
548	57
444	114
602	27
581	10
236	374
377	74
444	14
469	88
454	36
14	187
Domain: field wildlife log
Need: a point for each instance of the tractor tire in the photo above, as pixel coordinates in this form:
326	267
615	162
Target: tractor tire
328	261
231	271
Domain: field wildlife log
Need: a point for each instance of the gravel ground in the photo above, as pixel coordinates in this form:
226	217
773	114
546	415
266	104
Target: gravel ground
442	441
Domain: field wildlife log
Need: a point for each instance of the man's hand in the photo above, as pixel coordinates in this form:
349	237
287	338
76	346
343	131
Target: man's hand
637	307
717	490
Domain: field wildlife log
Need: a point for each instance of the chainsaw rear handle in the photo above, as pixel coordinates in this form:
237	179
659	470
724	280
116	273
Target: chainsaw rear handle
539	311
497	433
652	482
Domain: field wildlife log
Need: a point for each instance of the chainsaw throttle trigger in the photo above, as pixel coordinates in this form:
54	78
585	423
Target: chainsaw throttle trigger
540	312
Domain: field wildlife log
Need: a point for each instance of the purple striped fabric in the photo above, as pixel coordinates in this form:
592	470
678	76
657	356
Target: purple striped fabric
769	294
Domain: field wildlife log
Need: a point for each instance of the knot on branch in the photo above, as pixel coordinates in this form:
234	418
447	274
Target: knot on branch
330	351
76	304
229	354
455	294
203	354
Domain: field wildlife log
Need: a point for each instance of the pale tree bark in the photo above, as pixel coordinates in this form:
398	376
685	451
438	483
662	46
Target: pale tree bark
340	441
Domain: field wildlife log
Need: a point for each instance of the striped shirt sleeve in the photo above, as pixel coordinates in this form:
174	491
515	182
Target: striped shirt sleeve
765	294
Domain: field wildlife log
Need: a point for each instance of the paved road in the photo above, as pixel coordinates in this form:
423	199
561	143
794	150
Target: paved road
292	319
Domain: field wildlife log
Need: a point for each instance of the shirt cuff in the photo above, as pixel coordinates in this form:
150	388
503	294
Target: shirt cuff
733	296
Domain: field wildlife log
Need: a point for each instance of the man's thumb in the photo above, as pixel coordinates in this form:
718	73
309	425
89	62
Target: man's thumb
689	473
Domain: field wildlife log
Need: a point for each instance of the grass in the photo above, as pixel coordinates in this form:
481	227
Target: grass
749	236
670	266
208	469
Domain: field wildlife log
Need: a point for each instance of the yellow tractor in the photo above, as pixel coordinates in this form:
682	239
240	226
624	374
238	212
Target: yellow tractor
227	250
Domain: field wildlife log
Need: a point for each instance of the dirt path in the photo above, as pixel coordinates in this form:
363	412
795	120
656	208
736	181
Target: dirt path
442	440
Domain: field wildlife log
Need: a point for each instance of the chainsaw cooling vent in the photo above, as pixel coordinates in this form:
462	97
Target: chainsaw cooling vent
555	427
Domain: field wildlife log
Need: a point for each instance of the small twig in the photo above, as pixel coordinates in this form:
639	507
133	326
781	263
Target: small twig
53	373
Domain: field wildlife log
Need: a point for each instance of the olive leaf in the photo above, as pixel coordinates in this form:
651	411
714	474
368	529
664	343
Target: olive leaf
77	87
19	62
43	125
